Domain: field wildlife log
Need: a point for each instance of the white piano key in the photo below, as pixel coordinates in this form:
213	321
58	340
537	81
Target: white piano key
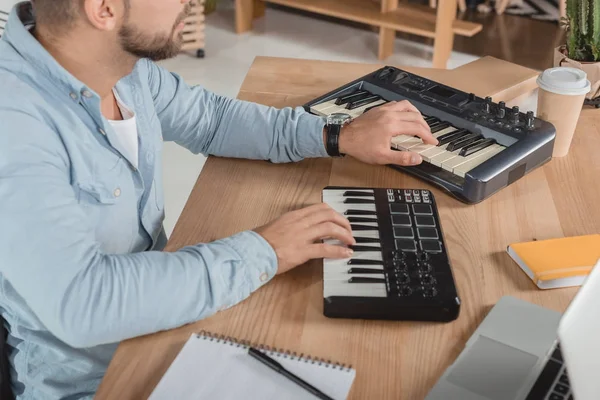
432	152
321	108
453	163
344	288
341	207
338	266
466	167
443	157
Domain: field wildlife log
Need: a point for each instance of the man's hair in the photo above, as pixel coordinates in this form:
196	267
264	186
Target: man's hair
56	14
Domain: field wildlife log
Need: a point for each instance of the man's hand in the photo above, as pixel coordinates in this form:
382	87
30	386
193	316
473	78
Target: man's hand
295	235
368	138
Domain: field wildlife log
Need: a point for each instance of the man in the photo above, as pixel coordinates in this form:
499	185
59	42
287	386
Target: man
83	113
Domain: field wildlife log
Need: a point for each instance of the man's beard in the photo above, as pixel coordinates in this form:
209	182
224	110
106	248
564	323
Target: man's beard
157	47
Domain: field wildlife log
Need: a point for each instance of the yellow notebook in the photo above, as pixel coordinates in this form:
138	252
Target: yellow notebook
555	263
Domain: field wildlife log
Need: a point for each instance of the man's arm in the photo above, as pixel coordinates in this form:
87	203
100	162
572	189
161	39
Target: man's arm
83	296
207	123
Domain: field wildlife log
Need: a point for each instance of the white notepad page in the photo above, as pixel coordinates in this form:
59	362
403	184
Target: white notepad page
211	368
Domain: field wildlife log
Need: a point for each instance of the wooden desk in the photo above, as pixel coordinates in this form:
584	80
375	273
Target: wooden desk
393	359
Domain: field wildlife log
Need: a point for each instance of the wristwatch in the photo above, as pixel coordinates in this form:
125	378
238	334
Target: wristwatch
333	127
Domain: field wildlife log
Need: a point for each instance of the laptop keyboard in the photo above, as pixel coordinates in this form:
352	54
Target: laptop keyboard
553	382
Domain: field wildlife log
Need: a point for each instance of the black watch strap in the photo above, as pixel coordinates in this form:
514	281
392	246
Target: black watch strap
333	139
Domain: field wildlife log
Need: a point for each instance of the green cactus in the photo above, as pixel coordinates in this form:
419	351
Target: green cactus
583	29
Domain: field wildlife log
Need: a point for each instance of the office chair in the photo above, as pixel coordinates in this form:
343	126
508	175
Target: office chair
5	389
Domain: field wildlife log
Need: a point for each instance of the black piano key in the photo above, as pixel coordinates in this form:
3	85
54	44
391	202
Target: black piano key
562	389
360	212
351	200
431	120
366	240
359	94
475	147
372	107
544	381
462	142
361	219
564	379
362	102
355	227
557	355
351	193
556	396
360	248
365	280
439	127
358	261
450	136
365	271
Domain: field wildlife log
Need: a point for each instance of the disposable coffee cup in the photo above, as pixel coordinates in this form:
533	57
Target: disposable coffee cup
561	94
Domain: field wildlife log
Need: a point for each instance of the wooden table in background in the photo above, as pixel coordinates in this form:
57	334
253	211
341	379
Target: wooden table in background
393	360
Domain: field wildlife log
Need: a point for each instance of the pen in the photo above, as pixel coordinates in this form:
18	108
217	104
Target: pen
268	361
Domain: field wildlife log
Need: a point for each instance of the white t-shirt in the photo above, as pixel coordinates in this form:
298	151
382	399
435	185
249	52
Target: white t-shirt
126	132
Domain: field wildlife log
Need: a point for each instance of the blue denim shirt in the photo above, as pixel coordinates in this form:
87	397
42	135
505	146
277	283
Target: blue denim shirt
81	266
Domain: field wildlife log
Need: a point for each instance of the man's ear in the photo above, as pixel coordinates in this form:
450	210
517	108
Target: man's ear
103	14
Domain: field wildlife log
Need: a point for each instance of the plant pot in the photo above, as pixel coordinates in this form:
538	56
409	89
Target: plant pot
592	69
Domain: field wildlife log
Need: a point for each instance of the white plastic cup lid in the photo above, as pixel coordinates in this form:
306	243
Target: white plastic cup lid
564	80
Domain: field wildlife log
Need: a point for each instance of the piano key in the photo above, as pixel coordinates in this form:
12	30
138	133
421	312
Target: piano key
362	219
359	212
362	102
322	108
355	279
368	234
412	143
356	227
455	162
343	288
370	107
463	169
464	141
362	239
439	127
356	193
359	248
431	120
357	95
450	137
351	200
361	110
475	147
443	157
366	271
358	261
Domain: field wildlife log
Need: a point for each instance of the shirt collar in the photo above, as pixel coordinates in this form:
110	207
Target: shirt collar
17	34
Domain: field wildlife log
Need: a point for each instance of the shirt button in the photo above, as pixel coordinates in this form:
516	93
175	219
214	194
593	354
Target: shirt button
73	96
102	131
87	93
264	277
149	156
117	192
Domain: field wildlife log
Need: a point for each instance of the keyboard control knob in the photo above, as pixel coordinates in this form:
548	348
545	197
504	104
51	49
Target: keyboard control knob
501	110
515	114
530	119
487	105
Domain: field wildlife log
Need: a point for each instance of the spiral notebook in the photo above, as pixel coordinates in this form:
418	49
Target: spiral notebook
213	367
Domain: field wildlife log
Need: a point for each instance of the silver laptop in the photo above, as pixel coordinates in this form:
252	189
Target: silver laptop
522	351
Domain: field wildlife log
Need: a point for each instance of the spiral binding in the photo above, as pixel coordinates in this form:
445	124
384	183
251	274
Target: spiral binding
272	351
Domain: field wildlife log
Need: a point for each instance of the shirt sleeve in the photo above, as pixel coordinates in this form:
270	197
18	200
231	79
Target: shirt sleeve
207	123
86	297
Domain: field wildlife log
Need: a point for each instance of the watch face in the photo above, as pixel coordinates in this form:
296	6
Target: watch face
338	118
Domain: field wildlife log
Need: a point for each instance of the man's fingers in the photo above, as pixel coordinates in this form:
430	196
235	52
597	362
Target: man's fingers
403	105
331	230
327	215
400	117
322	250
414	129
405	158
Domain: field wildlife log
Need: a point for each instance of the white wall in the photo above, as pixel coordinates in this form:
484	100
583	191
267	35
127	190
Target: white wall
6	5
